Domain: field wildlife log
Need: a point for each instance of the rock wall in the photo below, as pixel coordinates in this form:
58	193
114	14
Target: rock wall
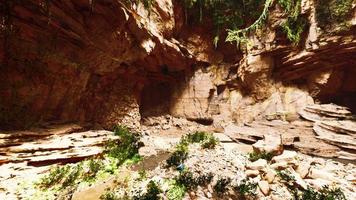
109	62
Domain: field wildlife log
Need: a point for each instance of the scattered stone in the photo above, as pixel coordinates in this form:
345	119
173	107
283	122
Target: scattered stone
270	175
286	156
264	187
252	173
279	165
259	164
270	144
321	174
303	169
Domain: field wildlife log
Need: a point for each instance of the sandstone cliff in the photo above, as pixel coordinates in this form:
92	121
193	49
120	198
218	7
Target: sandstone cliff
108	62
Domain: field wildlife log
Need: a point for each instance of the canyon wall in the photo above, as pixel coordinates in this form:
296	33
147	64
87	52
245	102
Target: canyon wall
110	62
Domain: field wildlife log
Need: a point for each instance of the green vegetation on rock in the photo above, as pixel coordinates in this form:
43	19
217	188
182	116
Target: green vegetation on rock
207	140
295	24
333	12
262	155
246	188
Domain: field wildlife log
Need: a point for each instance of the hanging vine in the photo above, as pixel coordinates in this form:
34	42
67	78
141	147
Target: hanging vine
240	36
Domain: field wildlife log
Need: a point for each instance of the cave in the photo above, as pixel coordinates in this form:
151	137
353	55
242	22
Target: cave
156	99
171	99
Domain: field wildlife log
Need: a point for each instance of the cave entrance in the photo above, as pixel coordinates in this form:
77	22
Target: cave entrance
156	99
342	88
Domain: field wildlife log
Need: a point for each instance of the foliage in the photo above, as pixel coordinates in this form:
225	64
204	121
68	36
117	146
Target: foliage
186	179
189	181
55	176
329	12
152	192
109	195
286	176
240	36
116	153
126	148
295	24
180	154
210	142
176	191
246	188
94	165
326	193
221	185
262	155
73	176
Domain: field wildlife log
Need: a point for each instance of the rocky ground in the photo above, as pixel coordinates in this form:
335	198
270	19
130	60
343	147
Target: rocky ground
284	145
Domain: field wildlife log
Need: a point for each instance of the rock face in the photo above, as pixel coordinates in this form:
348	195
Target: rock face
333	124
55	144
111	62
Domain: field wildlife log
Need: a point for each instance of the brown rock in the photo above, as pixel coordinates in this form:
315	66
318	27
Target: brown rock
270	144
264	187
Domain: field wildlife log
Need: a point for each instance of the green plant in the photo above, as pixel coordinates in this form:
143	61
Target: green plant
178	156
210	142
240	35
329	12
176	191
246	188
286	176
308	194
261	155
186	179
329	193
295	24
73	176
126	148
55	176
109	195
143	174
189	181
221	185
94	166
152	192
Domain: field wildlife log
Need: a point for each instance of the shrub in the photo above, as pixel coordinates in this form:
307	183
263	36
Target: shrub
178	156
73	176
286	176
210	142
94	165
152	193
187	179
263	155
55	176
329	193
329	12
246	188
109	195
126	148
221	185
176	191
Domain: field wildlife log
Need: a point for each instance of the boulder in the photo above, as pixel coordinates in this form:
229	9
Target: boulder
269	144
269	175
322	174
259	164
264	187
279	165
252	173
286	156
303	169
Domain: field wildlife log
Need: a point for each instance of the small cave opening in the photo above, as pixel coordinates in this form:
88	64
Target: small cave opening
341	89
156	99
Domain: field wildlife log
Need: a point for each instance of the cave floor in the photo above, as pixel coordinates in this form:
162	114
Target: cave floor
27	154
